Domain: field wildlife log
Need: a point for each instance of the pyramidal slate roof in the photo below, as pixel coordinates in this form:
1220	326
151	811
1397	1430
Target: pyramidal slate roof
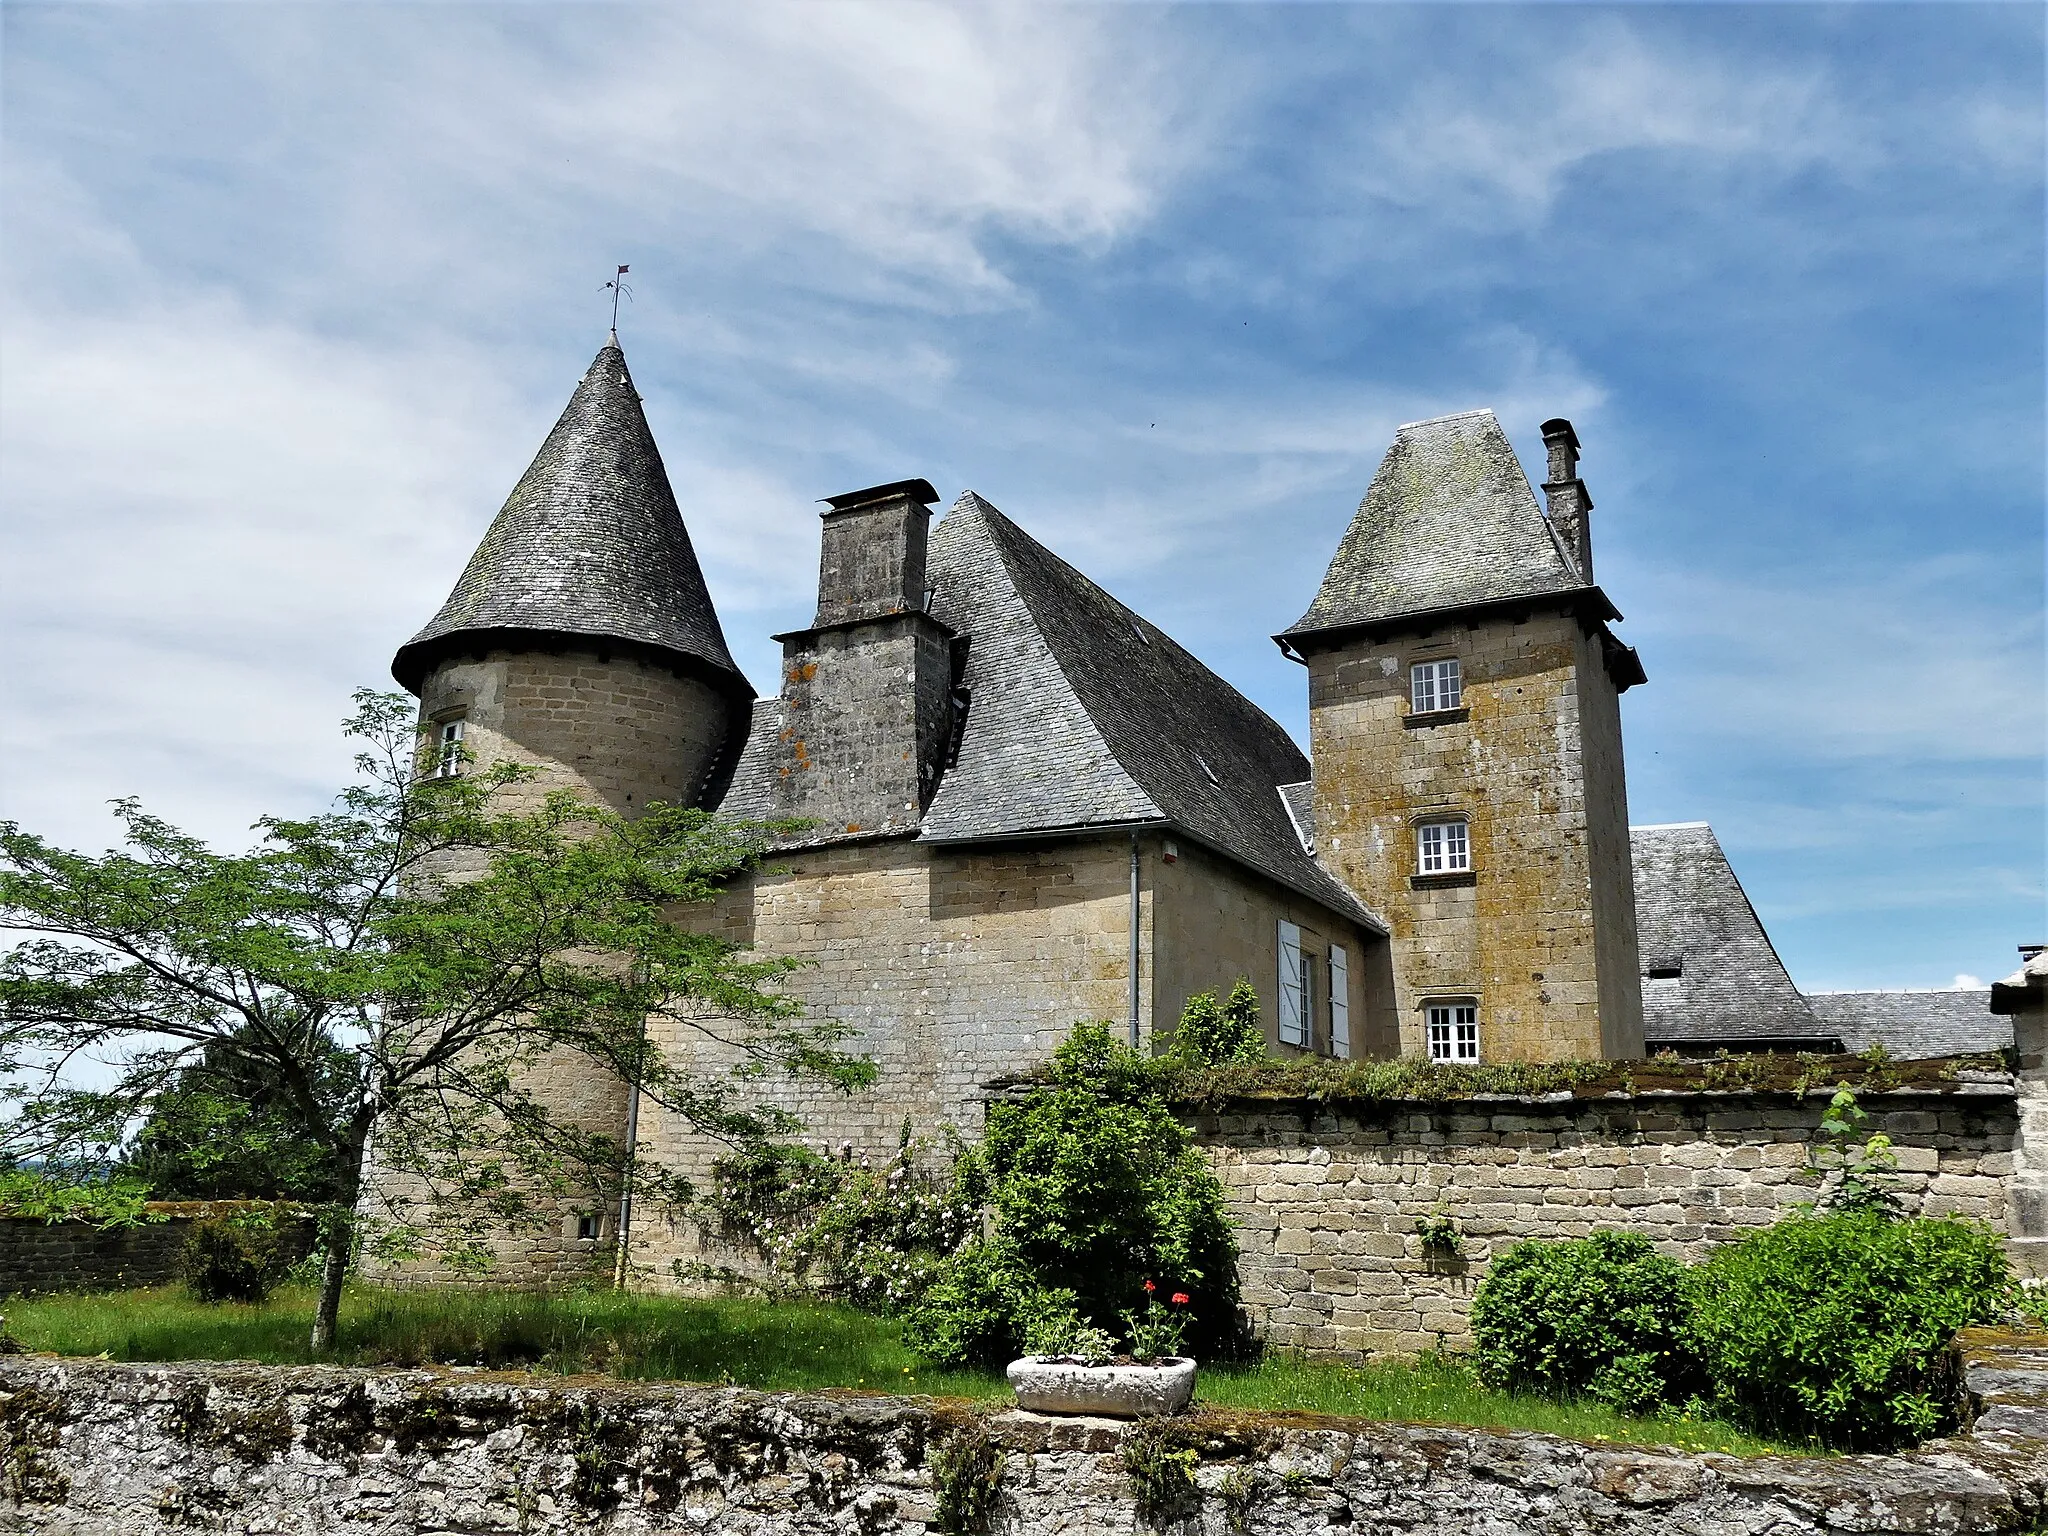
1914	1025
590	544
1692	916
1081	715
1449	521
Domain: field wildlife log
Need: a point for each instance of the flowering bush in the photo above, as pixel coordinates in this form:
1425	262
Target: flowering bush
1091	1187
872	1237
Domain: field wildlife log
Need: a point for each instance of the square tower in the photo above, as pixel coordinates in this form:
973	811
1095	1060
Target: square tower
1465	730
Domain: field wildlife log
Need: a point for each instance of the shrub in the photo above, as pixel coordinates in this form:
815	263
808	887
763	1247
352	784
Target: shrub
1836	1328
1602	1315
1225	1034
1092	1189
870	1237
243	1256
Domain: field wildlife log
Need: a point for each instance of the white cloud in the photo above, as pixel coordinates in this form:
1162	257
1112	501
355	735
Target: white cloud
1559	96
1965	982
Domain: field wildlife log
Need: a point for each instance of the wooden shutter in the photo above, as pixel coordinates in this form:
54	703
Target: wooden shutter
1293	1015
1340	1002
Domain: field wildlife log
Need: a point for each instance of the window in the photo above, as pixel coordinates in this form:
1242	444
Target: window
586	1226
448	753
1453	1031
1442	848
1293	987
1434	685
1340	1002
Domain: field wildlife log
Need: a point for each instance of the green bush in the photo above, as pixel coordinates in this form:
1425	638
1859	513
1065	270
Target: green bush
872	1237
1602	1315
1092	1188
243	1256
1225	1034
1836	1328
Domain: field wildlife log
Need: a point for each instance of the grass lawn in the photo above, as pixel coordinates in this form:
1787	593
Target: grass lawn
783	1346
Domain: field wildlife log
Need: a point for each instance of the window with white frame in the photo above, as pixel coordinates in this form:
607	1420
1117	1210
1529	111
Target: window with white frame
1453	1031
1434	685
1293	993
1442	847
1340	1002
448	753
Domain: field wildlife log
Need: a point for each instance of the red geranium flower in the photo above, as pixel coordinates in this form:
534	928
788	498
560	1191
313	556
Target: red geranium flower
1180	1298
1149	1286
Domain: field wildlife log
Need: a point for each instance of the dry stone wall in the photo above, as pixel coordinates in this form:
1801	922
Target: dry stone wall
1326	1200
134	1450
38	1256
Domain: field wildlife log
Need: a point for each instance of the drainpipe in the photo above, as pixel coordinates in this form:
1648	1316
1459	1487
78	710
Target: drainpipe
1134	941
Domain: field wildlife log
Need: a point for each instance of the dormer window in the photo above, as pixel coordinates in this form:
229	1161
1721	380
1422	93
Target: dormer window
1434	686
448	750
1664	969
1443	847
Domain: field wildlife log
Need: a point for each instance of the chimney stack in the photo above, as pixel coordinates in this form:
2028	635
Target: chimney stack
871	559
1570	504
867	689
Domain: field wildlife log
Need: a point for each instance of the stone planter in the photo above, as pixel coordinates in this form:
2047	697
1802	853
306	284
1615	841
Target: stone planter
1051	1384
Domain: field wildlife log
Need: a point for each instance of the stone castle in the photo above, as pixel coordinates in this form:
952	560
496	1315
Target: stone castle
1026	805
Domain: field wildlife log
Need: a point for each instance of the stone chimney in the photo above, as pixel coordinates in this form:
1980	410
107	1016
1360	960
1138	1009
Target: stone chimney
1570	503
867	689
871	560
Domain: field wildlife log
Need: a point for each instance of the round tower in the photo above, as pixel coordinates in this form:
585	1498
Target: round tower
581	640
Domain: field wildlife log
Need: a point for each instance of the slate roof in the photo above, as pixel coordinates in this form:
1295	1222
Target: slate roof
1449	521
1084	715
2024	985
589	543
1913	1026
1692	914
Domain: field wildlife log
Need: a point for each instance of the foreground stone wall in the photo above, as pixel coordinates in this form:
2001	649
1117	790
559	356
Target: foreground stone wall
1326	1199
130	1450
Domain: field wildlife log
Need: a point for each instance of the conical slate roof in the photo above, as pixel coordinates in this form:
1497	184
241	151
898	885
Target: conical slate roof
1449	521
589	545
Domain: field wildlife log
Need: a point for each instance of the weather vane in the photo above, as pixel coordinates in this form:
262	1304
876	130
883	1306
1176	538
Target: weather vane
616	287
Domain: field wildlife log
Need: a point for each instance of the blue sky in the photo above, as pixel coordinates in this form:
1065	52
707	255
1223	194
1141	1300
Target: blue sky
291	294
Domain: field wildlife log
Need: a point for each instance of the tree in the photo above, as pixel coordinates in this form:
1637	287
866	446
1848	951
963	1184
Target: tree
226	1129
394	968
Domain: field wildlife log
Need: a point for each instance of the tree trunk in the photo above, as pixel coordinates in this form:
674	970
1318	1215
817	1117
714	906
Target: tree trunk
337	1231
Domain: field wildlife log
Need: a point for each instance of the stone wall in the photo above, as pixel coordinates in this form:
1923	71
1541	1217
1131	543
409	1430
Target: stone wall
1326	1198
956	965
39	1256
1533	762
134	1450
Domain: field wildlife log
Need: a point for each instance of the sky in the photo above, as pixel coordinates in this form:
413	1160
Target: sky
291	294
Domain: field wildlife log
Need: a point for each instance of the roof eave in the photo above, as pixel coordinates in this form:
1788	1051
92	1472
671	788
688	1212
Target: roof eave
418	657
1589	602
1360	914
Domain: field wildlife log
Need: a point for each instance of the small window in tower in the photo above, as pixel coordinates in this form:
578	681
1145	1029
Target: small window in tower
1453	1032
448	750
1442	847
1434	686
586	1226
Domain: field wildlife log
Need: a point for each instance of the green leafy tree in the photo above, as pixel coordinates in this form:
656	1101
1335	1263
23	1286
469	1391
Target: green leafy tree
226	1129
1092	1188
1225	1034
394	968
